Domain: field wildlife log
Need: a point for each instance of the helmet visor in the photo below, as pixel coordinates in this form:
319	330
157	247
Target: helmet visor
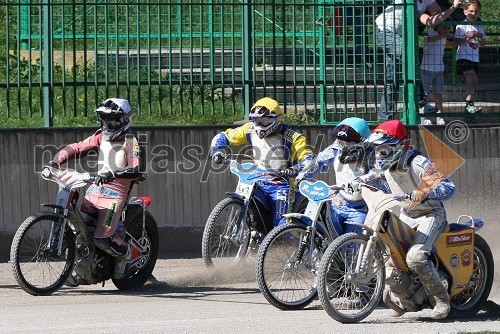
346	133
109	104
260	111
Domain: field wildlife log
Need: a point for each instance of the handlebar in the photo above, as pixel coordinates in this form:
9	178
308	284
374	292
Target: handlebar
66	178
233	156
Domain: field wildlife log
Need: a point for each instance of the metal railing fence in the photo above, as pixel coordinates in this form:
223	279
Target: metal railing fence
183	62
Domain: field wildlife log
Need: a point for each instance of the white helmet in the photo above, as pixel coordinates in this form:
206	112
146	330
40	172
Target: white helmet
115	116
266	116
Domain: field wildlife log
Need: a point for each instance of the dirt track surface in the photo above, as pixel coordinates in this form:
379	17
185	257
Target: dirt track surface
187	298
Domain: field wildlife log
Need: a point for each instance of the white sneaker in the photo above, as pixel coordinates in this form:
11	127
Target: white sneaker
440	121
425	121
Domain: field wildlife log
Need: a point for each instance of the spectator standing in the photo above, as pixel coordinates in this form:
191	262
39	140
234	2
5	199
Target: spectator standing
469	37
389	26
430	13
432	68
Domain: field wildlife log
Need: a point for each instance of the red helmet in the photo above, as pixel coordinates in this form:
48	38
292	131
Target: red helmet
389	139
394	128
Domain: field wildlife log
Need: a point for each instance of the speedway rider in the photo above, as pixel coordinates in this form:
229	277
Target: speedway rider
348	159
403	171
276	147
118	168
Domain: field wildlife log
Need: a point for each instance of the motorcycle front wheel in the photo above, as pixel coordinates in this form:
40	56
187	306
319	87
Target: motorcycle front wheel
346	294
141	271
39	269
286	278
225	238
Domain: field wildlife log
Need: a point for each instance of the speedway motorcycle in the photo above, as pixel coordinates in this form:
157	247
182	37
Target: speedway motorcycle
352	271
53	248
237	224
288	259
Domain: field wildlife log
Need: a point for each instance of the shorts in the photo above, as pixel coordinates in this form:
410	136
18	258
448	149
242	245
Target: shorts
467	65
433	82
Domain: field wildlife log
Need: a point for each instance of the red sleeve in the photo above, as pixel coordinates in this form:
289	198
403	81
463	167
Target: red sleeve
88	144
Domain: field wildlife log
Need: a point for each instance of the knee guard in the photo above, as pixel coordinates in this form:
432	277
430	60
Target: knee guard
419	264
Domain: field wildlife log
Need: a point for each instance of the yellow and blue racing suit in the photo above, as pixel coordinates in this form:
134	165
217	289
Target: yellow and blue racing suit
276	152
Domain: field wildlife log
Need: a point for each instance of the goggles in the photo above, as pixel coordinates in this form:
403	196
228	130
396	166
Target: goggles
112	125
385	151
263	121
345	133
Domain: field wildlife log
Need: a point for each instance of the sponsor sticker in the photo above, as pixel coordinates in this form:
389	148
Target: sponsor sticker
459	240
466	257
454	261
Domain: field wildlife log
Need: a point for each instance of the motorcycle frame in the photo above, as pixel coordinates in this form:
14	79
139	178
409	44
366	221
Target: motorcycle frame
65	207
310	218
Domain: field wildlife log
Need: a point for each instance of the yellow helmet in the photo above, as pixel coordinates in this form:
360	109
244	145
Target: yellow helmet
266	116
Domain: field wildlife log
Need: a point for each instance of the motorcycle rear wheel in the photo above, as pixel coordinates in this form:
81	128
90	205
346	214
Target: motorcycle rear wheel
286	282
345	295
38	270
225	239
469	301
141	272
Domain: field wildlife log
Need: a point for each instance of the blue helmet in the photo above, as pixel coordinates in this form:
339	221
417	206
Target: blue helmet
352	129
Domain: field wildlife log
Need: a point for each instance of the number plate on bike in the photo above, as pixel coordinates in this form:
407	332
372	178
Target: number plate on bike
244	189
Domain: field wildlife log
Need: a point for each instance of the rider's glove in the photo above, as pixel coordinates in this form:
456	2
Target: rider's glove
104	178
353	187
54	164
417	196
218	158
291	172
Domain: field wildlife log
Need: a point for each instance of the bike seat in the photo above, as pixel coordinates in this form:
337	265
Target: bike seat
465	224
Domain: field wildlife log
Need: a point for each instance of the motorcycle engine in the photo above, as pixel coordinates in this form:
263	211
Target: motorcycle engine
399	281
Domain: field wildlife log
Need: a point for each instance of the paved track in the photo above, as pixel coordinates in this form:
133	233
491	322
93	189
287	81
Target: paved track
189	299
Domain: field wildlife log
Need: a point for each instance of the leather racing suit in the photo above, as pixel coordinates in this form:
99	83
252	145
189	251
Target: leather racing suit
282	149
105	202
424	212
348	205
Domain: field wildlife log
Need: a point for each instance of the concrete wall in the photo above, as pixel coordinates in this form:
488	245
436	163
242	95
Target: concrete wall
185	187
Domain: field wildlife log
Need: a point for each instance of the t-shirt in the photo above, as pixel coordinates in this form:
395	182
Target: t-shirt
423	4
432	59
391	19
470	50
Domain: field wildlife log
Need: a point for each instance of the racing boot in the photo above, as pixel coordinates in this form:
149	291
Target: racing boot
441	303
392	301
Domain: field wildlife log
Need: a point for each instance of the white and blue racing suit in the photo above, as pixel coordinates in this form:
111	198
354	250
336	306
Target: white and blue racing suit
348	205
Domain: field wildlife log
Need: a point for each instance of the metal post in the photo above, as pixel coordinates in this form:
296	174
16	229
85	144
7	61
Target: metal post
46	53
411	61
24	33
247	55
322	70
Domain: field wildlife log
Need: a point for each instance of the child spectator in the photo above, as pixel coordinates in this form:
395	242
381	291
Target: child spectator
432	69
469	38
